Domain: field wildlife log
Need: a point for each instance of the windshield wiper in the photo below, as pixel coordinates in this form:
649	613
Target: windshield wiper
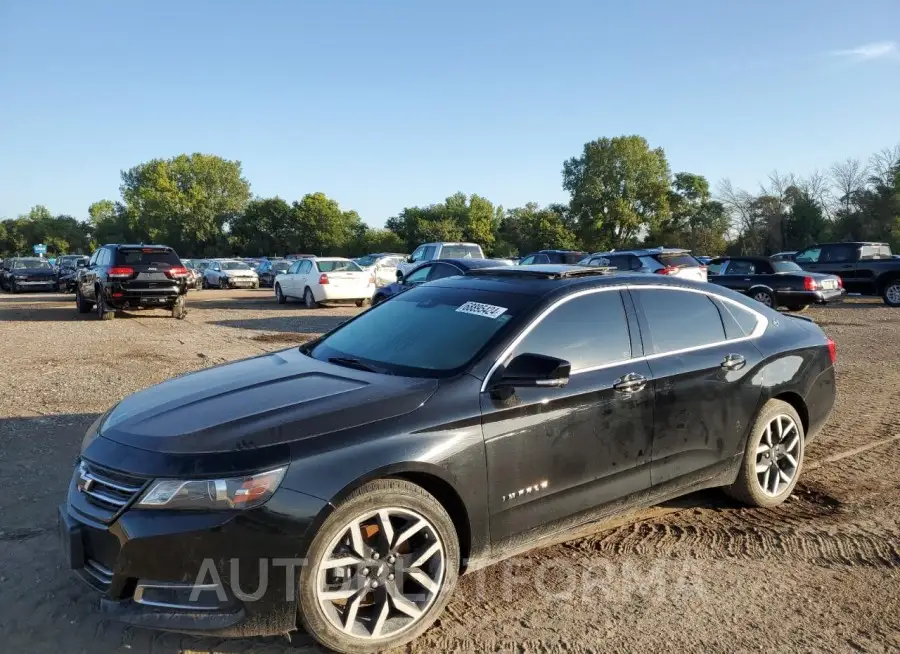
351	363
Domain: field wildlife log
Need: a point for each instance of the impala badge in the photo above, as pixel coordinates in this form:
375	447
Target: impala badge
528	490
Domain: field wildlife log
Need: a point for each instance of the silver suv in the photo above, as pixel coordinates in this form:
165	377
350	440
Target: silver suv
445	250
662	261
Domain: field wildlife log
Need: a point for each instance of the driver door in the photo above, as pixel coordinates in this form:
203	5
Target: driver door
556	452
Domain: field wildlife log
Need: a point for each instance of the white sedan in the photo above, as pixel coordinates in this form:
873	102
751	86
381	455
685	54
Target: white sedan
325	279
228	273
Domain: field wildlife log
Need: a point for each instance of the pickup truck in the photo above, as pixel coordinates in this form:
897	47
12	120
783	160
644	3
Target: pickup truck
865	268
439	250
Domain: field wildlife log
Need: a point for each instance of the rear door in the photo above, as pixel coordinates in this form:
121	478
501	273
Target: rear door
556	452
703	362
840	259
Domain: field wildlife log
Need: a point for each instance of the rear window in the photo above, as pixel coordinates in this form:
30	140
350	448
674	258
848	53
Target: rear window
337	266
428	331
146	257
676	259
461	252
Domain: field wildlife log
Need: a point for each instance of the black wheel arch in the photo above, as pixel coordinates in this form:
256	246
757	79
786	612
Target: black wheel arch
885	279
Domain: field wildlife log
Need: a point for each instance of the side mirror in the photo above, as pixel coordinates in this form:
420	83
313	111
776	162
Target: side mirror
534	370
409	259
399	276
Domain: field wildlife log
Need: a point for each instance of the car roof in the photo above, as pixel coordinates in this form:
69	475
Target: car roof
450	243
558	252
643	252
854	243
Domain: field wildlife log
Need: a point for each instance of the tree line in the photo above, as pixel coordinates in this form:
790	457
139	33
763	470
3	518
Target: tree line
622	193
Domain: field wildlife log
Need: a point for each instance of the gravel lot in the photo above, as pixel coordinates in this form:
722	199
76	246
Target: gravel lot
820	573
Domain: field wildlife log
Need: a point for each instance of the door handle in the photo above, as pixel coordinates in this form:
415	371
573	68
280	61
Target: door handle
630	383
733	362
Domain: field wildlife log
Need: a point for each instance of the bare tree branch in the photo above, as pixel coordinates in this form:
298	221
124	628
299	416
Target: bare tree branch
849	177
883	164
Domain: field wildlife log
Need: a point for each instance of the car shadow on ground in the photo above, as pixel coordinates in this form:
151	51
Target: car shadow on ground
303	324
26	298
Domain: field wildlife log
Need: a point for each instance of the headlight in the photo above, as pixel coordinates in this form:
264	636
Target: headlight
233	493
21	277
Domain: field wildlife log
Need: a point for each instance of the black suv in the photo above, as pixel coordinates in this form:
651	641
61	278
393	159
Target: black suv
570	257
132	276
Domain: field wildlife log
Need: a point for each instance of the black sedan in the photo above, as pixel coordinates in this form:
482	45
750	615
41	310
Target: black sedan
430	271
345	484
775	283
270	269
29	274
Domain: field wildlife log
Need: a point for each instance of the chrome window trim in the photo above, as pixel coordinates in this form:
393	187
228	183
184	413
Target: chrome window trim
761	324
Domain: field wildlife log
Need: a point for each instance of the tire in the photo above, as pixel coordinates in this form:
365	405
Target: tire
377	299
402	501
359	303
255	285
13	288
81	304
280	297
205	282
798	308
103	312
178	309
748	488
309	299
891	293
764	297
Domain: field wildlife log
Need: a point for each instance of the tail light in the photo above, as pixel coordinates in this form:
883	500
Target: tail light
177	272
840	282
120	272
832	351
323	278
809	284
668	270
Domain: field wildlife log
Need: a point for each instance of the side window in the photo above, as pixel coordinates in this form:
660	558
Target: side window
738	322
441	270
678	320
839	253
418	276
717	267
295	268
809	256
103	258
619	262
305	266
417	254
650	263
587	331
740	267
541	258
428	253
527	260
93	259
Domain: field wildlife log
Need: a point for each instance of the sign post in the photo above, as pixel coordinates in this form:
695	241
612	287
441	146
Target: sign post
40	249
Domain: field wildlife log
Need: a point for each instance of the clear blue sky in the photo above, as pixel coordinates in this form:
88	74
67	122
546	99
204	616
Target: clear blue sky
385	104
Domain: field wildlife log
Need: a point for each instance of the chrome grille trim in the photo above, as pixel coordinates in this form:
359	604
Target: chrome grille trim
98	571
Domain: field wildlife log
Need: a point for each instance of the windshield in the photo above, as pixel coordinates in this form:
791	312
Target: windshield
786	266
428	331
461	252
366	261
32	264
234	265
337	266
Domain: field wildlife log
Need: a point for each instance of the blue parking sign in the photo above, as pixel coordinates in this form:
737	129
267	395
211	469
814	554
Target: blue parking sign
40	248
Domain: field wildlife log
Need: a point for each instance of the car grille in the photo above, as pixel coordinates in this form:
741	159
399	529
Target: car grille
105	488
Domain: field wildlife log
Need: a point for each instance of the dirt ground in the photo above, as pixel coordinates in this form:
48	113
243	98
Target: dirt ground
819	574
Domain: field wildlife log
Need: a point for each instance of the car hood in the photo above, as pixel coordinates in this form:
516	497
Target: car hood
267	400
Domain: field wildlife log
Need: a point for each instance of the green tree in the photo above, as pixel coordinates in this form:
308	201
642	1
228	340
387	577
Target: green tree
529	228
263	228
184	202
379	240
460	217
619	188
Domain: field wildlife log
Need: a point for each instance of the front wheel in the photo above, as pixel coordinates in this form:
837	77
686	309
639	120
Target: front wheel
13	288
764	297
359	303
81	304
381	568
280	297
891	293
773	458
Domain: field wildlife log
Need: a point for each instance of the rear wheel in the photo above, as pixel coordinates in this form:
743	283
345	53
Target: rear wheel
773	458
178	309
280	297
309	299
81	304
359	303
891	294
103	312
381	568
764	297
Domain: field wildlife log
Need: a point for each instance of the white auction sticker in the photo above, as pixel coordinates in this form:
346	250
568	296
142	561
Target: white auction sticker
479	309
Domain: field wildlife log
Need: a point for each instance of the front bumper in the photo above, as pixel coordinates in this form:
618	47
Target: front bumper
240	282
231	573
34	284
122	296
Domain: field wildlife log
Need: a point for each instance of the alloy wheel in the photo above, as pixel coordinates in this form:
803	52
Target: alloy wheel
382	573
763	298
892	293
778	455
